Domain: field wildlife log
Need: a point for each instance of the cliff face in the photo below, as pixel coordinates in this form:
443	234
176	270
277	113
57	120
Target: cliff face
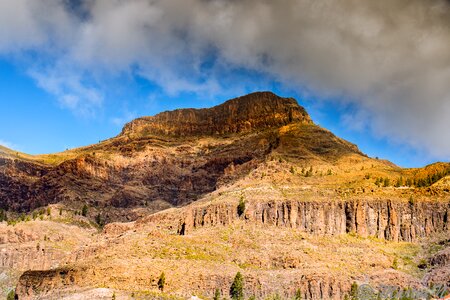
384	219
391	220
17	178
256	111
312	286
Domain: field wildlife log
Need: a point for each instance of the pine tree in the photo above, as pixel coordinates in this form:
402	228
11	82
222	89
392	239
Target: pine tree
241	206
84	210
161	281
237	287
292	170
216	295
298	295
11	295
354	291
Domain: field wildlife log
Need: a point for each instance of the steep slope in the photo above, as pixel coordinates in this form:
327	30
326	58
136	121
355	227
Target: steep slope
170	159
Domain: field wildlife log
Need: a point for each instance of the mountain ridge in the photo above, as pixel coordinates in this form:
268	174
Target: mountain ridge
254	111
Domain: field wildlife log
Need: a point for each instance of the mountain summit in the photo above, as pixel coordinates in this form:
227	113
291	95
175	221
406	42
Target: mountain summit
255	111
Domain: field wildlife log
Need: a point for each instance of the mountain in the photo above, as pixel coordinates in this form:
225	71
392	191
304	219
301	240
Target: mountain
251	185
170	159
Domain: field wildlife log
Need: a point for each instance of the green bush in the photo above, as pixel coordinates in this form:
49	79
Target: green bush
395	264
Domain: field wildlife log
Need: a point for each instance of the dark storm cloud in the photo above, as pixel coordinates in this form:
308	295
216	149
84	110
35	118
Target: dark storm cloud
391	58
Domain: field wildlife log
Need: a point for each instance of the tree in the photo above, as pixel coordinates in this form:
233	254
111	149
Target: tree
387	182
84	210
11	295
2	215
161	281
292	170
377	182
354	291
241	206
409	182
237	287
217	295
395	264
298	295
99	220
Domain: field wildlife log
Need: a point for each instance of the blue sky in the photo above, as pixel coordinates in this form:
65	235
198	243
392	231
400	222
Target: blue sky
34	122
73	72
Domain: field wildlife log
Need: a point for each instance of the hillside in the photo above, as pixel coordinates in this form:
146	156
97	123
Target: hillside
251	185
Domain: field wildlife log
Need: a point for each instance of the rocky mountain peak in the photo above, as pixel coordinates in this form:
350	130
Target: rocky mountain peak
251	112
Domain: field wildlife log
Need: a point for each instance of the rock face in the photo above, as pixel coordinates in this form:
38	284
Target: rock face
256	111
384	219
42	284
439	274
17	178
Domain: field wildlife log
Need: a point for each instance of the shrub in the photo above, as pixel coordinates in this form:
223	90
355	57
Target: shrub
11	295
216	295
354	291
298	295
241	206
292	170
2	215
161	281
237	287
99	220
84	210
395	264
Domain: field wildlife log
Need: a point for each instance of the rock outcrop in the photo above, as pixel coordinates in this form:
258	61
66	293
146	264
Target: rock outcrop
256	111
439	274
384	219
39	284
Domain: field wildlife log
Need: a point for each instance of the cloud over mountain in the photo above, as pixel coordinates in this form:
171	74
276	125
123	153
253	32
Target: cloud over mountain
390	58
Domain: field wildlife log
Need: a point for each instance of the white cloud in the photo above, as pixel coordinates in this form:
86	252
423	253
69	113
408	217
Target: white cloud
391	58
69	88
